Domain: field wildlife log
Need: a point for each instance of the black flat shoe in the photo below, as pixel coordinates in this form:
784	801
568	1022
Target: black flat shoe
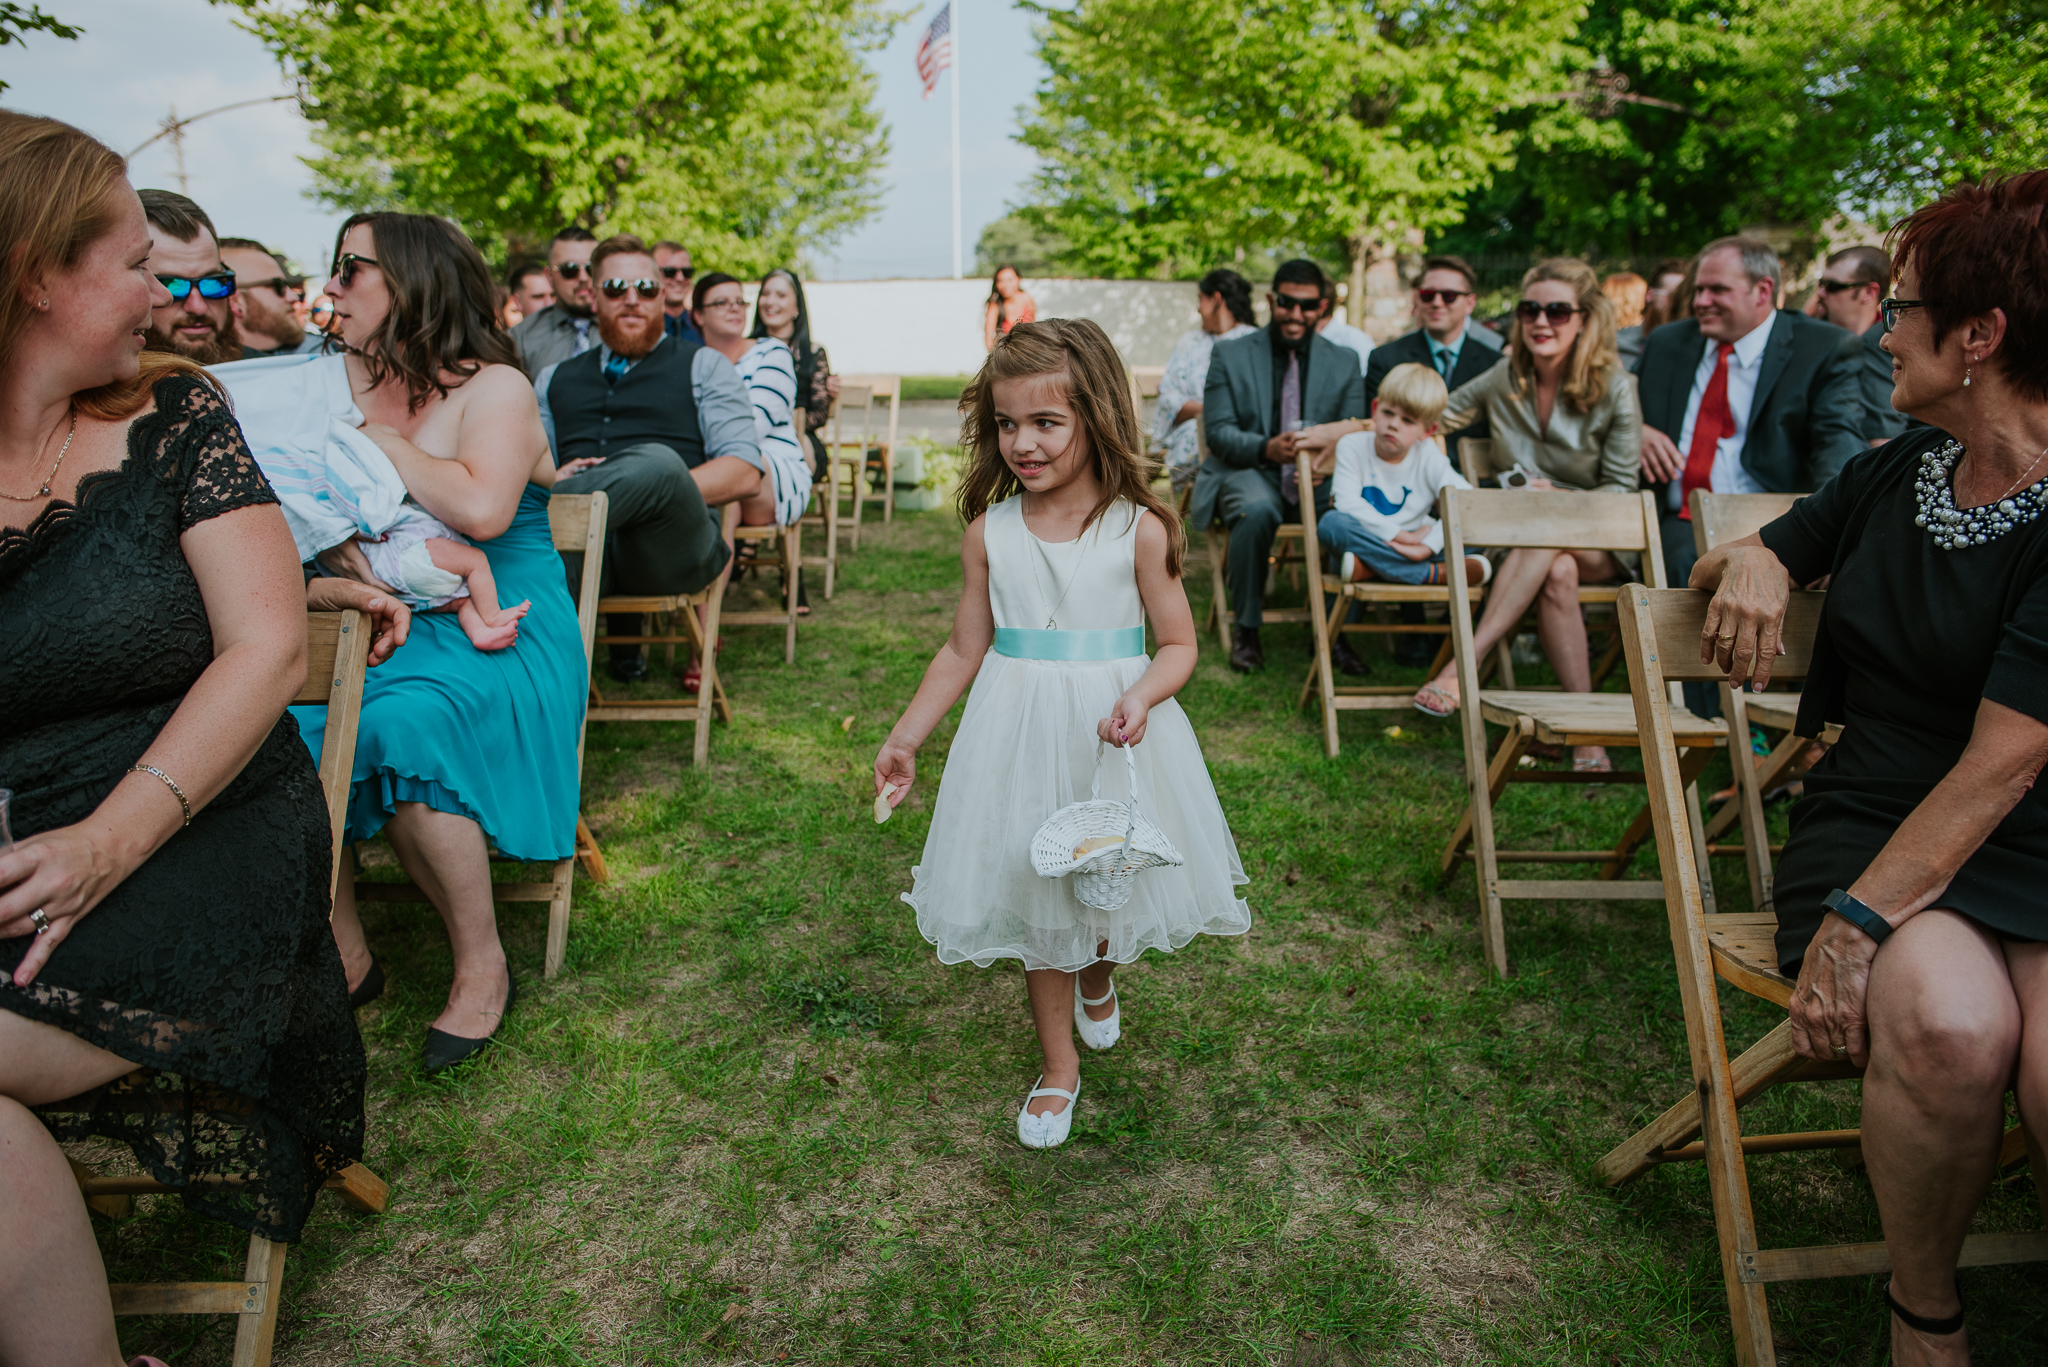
443	1051
1346	659
370	988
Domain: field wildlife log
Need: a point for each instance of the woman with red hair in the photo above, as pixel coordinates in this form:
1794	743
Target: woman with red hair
1923	825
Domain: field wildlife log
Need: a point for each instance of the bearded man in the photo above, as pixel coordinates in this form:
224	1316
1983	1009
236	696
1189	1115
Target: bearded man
266	293
199	321
663	426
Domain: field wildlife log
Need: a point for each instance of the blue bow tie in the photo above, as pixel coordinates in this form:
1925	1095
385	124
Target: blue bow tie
614	368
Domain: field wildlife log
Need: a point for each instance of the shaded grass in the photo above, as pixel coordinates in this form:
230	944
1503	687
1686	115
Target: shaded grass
755	1121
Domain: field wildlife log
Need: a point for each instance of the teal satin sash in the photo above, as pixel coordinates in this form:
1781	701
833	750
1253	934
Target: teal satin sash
1023	644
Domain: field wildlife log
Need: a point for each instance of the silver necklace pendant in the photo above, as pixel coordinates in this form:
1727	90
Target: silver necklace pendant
1956	528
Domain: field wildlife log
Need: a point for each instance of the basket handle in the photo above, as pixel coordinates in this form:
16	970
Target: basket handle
1095	792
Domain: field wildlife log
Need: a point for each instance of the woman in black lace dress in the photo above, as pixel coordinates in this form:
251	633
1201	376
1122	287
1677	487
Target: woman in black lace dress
170	977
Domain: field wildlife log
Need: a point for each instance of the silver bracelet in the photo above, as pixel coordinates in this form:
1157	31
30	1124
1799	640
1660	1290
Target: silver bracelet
170	783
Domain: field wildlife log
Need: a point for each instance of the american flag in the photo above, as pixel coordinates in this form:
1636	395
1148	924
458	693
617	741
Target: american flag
935	49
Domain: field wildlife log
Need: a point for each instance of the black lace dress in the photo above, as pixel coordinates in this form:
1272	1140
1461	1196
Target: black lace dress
212	965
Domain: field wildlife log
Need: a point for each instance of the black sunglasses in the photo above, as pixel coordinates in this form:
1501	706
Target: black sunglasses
1441	296
571	270
279	285
345	267
1837	286
219	285
1892	308
616	289
1291	303
671	272
1556	311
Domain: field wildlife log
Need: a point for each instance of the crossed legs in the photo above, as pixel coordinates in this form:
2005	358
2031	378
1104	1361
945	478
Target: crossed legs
1955	1016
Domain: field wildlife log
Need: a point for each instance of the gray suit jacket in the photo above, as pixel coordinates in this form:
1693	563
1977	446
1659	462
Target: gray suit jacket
1237	406
1881	422
547	338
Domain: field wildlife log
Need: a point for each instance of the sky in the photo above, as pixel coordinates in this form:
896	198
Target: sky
138	58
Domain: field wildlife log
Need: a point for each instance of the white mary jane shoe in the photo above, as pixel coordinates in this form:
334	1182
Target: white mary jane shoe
1046	1131
1094	1033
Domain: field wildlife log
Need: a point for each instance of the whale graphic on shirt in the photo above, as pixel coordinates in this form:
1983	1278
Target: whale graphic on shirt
1383	505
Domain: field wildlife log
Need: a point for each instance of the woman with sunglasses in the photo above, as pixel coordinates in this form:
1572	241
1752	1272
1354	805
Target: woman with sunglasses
1909	895
458	751
768	370
1563	411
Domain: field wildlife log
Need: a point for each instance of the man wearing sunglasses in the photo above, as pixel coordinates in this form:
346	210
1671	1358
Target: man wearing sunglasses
672	259
1851	283
566	327
199	320
663	426
266	324
1282	389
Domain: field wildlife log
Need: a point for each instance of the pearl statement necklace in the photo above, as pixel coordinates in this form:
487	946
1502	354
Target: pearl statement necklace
1955	528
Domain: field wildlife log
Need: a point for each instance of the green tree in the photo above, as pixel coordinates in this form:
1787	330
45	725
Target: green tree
17	22
1174	132
1013	241
745	128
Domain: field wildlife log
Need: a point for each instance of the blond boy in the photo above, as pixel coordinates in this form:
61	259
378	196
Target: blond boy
1383	495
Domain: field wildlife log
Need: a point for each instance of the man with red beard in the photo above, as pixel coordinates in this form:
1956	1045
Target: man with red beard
663	426
199	321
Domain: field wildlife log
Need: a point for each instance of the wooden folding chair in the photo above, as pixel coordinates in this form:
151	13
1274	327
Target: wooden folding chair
701	615
1661	634
1291	543
1548	519
787	543
577	522
1716	520
1145	381
860	394
337	649
823	512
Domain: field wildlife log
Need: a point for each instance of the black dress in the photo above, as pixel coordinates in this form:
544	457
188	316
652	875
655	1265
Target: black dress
1911	639
212	964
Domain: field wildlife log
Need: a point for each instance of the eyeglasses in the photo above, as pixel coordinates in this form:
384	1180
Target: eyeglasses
219	285
723	304
345	267
616	289
671	272
1890	309
1556	311
572	270
1294	303
1441	296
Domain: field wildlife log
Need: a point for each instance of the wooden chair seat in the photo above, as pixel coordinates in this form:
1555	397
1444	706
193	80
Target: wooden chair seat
337	653
1660	630
1586	718
1778	711
869	450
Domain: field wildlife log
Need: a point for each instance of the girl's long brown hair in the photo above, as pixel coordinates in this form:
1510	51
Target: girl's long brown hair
60	192
1594	359
1101	395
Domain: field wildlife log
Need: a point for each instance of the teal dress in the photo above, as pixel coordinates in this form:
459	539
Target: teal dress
490	735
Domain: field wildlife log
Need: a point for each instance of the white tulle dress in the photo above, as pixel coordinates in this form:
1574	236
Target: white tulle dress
1027	747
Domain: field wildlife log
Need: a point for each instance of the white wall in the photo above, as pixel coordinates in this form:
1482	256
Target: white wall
933	327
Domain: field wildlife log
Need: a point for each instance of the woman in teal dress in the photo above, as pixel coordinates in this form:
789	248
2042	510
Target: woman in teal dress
459	749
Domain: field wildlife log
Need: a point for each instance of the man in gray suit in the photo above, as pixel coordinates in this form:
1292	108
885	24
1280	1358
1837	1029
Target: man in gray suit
566	327
1280	390
1851	283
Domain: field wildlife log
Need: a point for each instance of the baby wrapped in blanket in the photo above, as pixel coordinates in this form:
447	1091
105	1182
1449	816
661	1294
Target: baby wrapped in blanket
336	485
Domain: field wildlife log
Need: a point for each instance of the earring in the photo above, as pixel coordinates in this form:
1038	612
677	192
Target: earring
44	306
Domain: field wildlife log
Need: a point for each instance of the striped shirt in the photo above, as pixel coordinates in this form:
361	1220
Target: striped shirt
768	370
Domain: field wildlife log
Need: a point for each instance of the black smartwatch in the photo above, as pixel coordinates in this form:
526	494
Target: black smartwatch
1858	915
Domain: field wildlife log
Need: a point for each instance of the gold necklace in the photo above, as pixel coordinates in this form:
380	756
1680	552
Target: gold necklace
62	451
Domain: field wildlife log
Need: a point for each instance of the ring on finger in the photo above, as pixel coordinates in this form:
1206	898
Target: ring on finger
39	920
1841	1051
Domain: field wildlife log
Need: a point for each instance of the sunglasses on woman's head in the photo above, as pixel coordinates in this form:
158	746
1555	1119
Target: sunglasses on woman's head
616	289
345	267
1441	296
217	286
1529	311
671	272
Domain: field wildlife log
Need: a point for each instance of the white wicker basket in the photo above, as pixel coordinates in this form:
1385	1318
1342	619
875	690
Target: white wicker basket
1103	878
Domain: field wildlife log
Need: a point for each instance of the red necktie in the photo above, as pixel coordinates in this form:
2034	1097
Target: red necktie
1714	422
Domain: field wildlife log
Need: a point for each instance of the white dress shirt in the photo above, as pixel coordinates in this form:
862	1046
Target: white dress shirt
1728	476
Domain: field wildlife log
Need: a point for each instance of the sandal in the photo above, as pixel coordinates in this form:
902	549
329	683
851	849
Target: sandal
1449	701
1926	1324
1592	764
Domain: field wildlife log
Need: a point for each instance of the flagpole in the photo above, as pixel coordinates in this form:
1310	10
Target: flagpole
956	139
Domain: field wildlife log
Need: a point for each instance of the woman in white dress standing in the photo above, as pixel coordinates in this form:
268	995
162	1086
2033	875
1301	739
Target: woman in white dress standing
1067	553
1223	298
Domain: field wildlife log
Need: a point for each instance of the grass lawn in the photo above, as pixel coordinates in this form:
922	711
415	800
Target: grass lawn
755	1121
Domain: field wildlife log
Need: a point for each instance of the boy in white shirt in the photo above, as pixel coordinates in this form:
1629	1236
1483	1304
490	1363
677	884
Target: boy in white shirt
1385	488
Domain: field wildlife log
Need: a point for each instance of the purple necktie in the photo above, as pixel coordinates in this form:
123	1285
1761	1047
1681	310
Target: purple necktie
1290	421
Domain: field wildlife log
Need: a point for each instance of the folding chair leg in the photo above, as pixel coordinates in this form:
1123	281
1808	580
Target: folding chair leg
1219	589
1690	762
256	1331
564	884
589	855
1511	747
793	561
1325	633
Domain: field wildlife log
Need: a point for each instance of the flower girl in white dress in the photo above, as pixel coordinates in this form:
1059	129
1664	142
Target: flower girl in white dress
1067	553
